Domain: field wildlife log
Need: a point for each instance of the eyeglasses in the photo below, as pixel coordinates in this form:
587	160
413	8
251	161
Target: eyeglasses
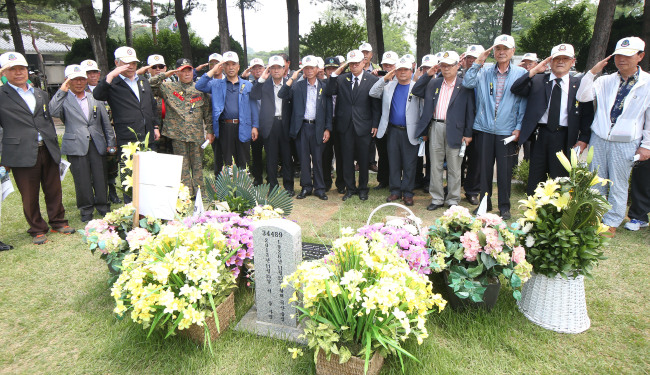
158	66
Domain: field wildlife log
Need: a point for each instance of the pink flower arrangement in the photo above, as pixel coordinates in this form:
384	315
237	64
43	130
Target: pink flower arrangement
97	225
518	254
410	247
137	237
472	246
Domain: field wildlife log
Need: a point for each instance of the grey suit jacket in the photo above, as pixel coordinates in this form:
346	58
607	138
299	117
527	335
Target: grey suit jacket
79	129
384	90
21	128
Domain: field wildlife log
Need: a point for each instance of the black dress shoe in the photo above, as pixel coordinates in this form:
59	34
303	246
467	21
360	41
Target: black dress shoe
505	214
473	200
328	188
291	192
5	247
347	195
87	218
340	190
380	186
321	196
433	207
303	194
363	196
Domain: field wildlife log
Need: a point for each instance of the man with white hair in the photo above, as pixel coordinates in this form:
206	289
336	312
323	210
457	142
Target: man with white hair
621	128
529	61
368	65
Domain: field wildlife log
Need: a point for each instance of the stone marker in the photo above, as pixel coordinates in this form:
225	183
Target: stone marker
278	251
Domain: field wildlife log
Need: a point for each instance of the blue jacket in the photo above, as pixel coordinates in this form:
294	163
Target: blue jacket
512	107
248	112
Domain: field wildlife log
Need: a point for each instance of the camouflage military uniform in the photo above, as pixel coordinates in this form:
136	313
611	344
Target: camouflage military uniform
187	117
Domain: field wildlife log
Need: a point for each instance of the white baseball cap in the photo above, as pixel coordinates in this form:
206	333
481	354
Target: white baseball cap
341	59
533	56
355	56
309	60
276	60
256	61
474	50
429	60
74	71
12	59
126	55
321	62
410	57
404	62
89	65
156	60
389	57
215	56
561	50
450	57
365	46
231	56
629	46
504	40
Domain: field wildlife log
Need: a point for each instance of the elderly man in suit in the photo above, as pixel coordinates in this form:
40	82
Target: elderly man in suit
311	123
30	148
88	137
447	118
234	112
357	115
275	117
563	122
399	116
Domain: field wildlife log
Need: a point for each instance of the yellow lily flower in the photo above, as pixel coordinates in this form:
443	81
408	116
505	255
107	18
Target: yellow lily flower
563	159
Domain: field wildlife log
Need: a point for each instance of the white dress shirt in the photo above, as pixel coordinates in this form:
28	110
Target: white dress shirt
133	84
564	113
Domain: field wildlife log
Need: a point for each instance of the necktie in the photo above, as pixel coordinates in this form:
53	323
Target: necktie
553	122
356	84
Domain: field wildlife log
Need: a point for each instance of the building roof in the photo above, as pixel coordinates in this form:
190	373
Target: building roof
74	31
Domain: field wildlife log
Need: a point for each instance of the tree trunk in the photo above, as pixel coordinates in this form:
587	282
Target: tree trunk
17	37
128	33
182	29
602	29
380	31
41	63
645	35
153	25
96	31
243	29
293	14
371	27
426	22
506	23
224	33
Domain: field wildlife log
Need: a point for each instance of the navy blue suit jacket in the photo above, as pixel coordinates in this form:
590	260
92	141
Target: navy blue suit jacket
264	92
297	93
357	109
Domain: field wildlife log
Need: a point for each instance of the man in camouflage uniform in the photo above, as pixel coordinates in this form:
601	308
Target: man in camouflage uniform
188	117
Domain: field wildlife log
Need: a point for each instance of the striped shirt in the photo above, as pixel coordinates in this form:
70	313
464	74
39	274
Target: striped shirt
501	85
443	100
83	104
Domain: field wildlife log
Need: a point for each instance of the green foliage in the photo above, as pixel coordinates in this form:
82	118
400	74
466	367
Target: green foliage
82	50
235	186
215	46
170	47
394	36
552	29
521	173
331	38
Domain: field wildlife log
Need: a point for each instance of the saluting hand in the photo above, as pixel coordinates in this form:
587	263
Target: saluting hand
296	74
217	69
170	73
246	73
202	66
432	70
116	72
341	69
539	68
389	76
600	65
66	85
483	56
143	70
266	73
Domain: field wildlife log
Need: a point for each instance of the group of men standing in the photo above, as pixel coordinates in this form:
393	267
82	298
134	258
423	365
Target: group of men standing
456	112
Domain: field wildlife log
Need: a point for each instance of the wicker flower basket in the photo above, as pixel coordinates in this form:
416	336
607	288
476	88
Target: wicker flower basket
556	303
354	366
226	315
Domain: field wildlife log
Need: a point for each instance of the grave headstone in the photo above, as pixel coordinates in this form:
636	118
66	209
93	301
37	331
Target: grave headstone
278	251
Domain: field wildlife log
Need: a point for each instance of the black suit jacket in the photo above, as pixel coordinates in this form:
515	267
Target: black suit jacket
297	93
357	109
460	112
538	91
127	111
264	92
21	128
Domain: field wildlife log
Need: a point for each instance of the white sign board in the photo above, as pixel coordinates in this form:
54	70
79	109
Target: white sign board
159	182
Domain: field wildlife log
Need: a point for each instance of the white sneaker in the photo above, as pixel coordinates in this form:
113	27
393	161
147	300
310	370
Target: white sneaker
635	224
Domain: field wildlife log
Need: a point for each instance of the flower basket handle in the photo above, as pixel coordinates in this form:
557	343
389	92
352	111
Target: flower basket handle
411	216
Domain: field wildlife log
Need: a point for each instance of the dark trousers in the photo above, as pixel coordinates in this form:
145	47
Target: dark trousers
640	191
493	150
372	152
257	166
351	143
543	161
277	148
310	147
472	168
232	147
29	180
403	160
89	173
332	151
383	163
218	157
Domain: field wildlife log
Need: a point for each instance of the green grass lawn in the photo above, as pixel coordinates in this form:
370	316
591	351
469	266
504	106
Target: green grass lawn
56	313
